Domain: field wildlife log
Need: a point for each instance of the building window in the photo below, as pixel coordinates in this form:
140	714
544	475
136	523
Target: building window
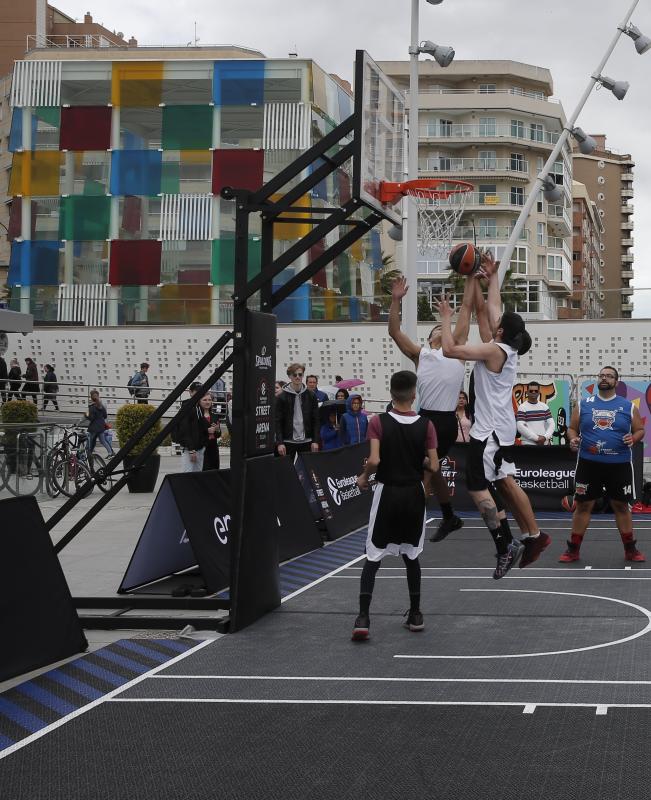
519	260
517	128
557	172
555	268
487	88
536	132
487	126
487	227
487	190
517	162
540	233
539	206
445	127
517	195
487	159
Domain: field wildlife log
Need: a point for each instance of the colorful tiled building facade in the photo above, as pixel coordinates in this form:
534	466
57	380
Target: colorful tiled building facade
116	216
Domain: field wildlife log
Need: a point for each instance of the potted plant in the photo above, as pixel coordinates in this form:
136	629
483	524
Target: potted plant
128	420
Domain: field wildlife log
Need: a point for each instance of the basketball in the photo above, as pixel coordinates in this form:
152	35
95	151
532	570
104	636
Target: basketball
465	259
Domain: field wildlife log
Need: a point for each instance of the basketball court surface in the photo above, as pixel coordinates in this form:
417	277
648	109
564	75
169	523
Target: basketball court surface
534	686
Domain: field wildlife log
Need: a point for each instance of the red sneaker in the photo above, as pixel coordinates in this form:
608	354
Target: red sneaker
571	554
638	508
533	548
631	553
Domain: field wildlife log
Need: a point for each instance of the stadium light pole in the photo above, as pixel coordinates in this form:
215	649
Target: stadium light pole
443	56
619	90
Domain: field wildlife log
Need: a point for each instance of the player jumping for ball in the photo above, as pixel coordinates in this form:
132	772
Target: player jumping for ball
493	432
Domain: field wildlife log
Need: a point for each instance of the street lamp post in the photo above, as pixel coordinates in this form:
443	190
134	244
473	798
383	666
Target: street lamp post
619	90
443	56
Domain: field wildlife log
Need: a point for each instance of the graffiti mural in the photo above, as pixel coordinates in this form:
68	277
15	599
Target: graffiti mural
556	394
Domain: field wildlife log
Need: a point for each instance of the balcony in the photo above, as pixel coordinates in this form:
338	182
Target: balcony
559	243
627	306
627	274
628	242
559	220
625	177
627	258
501	201
497	233
627	194
627	225
627	208
475	167
66	41
468	131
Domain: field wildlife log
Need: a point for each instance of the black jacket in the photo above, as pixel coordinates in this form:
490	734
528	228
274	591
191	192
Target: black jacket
97	417
191	430
50	385
14	378
285	416
3	372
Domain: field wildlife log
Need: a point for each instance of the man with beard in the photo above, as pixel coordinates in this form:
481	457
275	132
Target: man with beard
603	429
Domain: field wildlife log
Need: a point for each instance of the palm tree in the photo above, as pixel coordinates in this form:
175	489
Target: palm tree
514	294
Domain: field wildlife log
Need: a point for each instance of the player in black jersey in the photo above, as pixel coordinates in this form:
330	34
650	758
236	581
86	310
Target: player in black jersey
399	439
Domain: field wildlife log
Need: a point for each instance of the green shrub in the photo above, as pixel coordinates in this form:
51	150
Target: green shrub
19	411
129	419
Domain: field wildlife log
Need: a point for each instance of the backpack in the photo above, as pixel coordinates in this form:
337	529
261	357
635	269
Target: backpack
129	385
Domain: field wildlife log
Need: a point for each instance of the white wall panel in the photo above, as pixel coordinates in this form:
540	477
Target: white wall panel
36	83
186	216
286	126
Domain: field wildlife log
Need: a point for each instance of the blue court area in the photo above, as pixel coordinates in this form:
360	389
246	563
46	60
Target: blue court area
534	686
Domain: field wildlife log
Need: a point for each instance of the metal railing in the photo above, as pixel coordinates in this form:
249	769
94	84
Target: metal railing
531	95
496	233
494	199
69	41
441	130
457	165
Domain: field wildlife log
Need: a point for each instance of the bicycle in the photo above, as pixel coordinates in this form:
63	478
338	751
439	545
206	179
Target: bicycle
72	468
24	464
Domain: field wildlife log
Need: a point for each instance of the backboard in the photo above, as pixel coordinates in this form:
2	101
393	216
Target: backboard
379	136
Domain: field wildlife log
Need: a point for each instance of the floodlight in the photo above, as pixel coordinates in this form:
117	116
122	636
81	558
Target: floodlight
441	54
435	2
395	233
618	88
642	42
586	143
551	191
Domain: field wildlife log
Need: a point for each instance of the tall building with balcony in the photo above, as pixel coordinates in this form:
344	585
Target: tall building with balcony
608	177
588	296
21	25
119	156
494	124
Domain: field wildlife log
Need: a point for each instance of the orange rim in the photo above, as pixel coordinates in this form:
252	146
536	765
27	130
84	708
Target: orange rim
436	188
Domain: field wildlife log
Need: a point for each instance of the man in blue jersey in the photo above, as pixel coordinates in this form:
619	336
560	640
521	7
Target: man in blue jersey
603	429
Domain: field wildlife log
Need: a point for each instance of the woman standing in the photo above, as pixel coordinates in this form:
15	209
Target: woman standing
31	385
211	421
464	423
97	427
14	377
50	387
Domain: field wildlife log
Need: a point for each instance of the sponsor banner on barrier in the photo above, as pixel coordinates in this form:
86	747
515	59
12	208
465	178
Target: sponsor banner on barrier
334	477
545	473
261	376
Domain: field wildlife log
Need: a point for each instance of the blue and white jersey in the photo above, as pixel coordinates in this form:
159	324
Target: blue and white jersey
603	425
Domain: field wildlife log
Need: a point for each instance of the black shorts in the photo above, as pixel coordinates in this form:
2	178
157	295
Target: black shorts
595	479
446	426
487	462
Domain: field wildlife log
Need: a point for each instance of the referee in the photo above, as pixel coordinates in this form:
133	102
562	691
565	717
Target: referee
440	380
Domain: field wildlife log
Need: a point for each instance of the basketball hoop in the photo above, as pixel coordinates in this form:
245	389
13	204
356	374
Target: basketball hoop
440	203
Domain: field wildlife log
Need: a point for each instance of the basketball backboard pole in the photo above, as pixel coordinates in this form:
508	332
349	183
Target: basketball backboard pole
567	130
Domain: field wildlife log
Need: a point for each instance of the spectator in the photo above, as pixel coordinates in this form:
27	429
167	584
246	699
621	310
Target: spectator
211	421
297	416
31	385
338	379
353	423
534	419
50	388
279	386
330	438
191	432
312	382
98	425
140	384
463	418
342	394
3	379
14	377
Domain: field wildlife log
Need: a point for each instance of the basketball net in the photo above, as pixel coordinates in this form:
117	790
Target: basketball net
438	218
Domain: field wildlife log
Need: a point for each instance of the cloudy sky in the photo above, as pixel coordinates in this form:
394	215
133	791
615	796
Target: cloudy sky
565	36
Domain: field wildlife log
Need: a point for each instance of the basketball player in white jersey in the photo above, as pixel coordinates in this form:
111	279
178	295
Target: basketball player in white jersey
492	435
440	379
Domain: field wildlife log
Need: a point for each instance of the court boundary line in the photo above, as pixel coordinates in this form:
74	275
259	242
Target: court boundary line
108	697
410	679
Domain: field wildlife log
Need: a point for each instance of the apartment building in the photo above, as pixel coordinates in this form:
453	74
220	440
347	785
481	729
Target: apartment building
494	124
588	296
608	177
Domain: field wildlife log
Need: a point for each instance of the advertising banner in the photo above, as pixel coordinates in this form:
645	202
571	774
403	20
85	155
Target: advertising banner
334	476
545	473
261	376
639	393
556	394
